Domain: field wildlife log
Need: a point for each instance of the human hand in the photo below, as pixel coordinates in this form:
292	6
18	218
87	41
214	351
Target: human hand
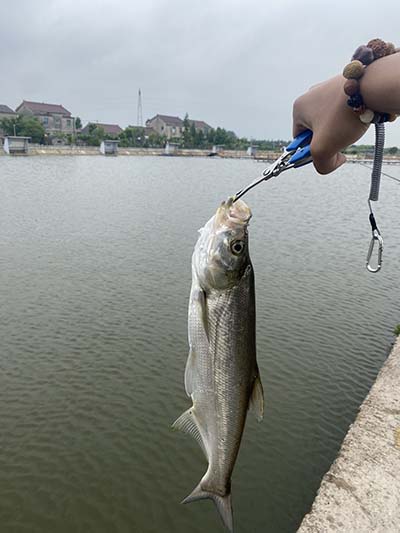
323	109
335	126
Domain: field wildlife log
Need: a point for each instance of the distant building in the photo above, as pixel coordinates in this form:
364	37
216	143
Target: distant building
171	148
200	125
147	131
54	117
144	131
217	149
109	147
166	125
174	126
6	112
252	150
111	130
14	145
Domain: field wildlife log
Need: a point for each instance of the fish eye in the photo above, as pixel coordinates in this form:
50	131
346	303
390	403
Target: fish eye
237	247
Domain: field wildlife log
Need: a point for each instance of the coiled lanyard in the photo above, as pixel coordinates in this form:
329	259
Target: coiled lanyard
373	197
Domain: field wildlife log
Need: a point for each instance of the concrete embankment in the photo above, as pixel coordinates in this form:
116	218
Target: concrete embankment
37	149
268	156
361	491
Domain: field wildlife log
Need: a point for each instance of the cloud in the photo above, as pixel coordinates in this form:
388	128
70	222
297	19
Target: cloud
235	64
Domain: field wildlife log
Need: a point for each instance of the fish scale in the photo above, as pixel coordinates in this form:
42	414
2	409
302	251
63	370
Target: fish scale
234	361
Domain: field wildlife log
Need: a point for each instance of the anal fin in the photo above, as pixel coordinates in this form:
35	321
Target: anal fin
187	423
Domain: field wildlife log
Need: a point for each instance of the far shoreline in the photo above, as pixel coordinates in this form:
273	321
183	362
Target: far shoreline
267	156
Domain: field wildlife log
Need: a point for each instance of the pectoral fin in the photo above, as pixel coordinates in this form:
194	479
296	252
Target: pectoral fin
198	334
189	372
201	303
257	399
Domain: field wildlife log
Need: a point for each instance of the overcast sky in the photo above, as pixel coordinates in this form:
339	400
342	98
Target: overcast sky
234	64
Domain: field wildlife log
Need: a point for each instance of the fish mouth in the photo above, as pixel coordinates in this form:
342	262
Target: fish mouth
232	213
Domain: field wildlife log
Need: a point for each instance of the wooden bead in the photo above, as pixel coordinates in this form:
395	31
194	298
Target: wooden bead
354	70
367	116
364	54
378	47
390	49
351	87
362	57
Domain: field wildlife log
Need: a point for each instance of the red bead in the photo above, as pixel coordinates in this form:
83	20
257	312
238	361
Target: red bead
351	87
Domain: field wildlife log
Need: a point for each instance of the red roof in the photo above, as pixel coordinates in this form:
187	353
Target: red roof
111	129
200	124
42	108
169	121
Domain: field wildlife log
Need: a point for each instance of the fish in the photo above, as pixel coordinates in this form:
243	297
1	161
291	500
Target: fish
221	376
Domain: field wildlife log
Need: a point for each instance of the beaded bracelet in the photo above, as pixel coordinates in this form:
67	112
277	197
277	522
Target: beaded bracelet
354	71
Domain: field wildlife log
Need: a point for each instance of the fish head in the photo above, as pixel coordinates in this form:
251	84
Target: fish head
222	252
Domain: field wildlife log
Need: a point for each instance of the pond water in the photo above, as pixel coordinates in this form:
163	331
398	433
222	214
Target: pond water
95	277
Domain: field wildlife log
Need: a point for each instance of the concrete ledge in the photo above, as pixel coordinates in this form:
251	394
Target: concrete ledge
361	491
262	156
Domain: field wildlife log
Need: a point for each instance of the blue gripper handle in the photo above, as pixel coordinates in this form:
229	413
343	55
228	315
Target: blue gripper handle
301	140
301	148
301	157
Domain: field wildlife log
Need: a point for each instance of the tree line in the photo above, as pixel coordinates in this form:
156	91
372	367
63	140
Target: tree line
139	137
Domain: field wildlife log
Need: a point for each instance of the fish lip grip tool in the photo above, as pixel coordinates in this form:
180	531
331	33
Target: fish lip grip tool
296	154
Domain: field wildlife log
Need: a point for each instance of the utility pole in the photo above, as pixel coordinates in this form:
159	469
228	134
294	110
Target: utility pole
139	120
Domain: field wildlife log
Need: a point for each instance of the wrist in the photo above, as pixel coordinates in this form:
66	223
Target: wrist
364	80
380	85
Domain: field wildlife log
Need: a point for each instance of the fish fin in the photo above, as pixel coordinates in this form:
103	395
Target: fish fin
189	370
188	424
223	504
201	302
257	398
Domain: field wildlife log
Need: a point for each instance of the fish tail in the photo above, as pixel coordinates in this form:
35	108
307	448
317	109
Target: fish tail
223	504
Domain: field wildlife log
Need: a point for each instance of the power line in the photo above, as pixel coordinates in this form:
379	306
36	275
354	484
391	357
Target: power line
383	173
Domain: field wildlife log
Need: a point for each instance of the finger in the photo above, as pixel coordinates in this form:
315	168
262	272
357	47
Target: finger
299	128
326	164
299	124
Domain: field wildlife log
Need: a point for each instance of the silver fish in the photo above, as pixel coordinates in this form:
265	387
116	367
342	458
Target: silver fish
221	375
